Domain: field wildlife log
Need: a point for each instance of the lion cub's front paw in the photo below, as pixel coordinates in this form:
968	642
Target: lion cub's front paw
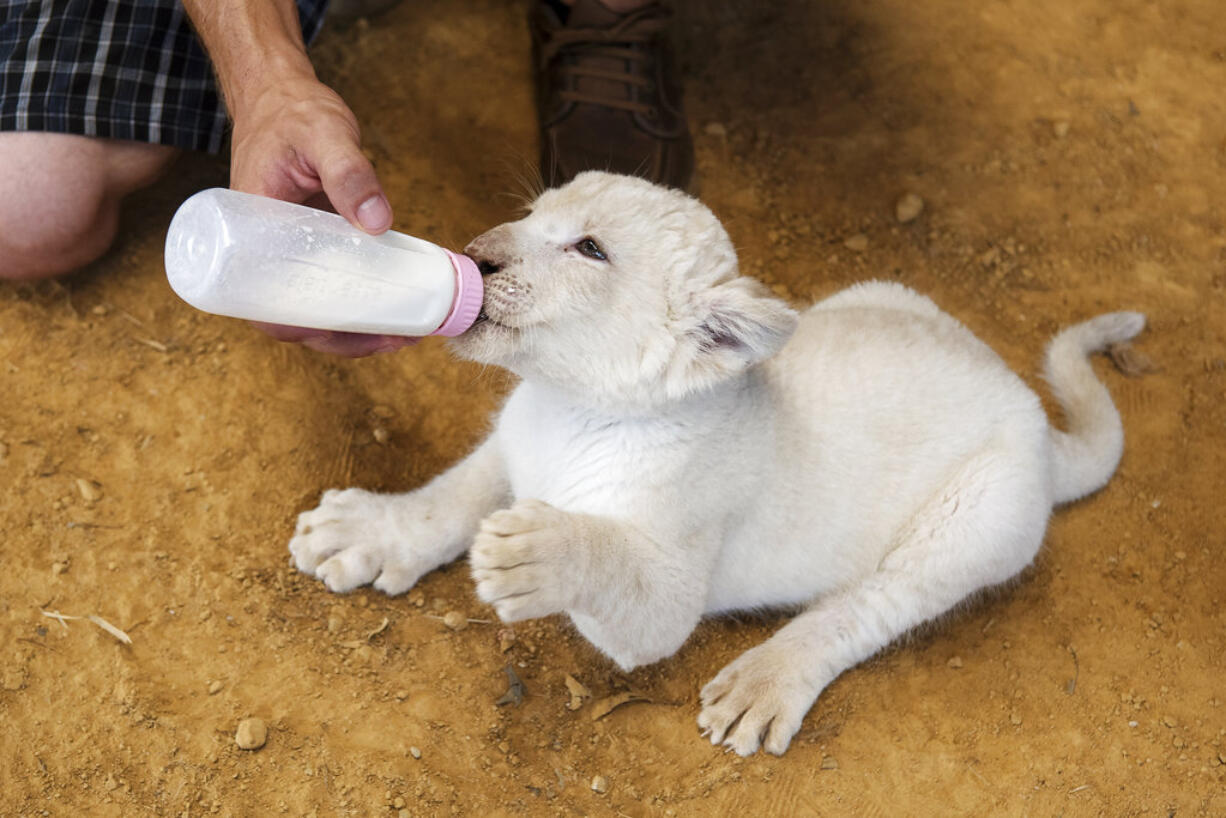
520	561
759	700
351	539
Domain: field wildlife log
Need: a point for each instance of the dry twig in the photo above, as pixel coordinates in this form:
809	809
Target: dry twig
97	620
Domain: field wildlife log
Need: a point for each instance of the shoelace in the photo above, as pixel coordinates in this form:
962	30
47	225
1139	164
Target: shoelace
617	42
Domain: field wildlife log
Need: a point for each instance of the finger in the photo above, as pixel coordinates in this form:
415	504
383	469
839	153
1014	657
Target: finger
282	332
350	183
267	166
351	344
348	344
354	345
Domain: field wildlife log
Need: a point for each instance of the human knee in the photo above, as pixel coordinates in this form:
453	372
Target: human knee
59	201
60	233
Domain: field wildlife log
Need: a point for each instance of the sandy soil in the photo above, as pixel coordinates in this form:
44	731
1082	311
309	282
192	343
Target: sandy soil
1071	158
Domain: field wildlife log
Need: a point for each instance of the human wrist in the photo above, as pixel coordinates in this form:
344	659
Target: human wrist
243	89
254	47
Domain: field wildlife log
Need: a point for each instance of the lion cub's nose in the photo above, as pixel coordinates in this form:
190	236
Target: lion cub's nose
490	250
487	268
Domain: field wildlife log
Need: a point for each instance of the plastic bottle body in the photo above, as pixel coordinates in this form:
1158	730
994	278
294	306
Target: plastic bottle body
261	259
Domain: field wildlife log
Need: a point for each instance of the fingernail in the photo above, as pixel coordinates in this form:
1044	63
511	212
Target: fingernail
374	214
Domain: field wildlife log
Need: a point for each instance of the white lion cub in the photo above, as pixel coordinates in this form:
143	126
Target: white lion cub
683	444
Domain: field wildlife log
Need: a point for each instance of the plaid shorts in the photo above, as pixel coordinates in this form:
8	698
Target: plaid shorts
123	69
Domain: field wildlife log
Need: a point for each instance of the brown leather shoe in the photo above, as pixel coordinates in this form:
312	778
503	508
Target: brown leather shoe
608	95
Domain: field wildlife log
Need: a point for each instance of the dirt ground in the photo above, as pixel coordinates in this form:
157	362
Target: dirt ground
1071	158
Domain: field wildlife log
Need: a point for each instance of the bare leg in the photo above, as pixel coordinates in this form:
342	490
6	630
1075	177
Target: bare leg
632	598
356	537
981	529
60	196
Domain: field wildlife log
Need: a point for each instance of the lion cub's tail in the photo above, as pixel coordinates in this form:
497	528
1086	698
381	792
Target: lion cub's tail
1085	456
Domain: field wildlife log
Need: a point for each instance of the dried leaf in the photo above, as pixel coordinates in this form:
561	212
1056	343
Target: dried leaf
1130	361
515	689
109	628
607	705
382	627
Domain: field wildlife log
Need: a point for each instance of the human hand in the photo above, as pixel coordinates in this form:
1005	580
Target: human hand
295	139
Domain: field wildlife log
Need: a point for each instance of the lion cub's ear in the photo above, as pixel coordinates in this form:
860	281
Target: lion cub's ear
733	326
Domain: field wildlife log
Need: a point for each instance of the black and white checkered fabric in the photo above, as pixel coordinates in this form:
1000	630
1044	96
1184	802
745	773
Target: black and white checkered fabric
123	69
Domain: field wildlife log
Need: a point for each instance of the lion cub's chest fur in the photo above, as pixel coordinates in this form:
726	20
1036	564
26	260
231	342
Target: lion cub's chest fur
586	460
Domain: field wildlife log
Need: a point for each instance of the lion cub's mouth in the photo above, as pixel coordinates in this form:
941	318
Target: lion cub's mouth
484	318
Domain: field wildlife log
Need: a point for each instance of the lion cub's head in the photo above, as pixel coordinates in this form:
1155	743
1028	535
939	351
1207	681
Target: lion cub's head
620	290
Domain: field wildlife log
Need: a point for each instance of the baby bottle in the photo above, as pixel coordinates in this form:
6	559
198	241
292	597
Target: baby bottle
262	259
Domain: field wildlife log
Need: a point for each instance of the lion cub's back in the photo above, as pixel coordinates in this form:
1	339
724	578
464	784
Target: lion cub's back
879	389
881	348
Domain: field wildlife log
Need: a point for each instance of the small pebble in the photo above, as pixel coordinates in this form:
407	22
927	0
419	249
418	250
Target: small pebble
416	753
215	687
1060	128
506	638
99	309
401	695
379	434
89	492
578	692
716	129
908	208
58	568
398	803
955	662
251	734
830	763
600	784
383	411
857	243
1014	718
455	620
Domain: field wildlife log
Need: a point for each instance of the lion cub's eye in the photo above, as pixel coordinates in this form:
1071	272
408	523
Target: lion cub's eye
589	247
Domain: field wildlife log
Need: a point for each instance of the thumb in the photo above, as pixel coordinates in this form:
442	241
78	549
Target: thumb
350	183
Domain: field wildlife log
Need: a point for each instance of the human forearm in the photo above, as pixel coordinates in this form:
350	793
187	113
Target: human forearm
251	43
294	138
